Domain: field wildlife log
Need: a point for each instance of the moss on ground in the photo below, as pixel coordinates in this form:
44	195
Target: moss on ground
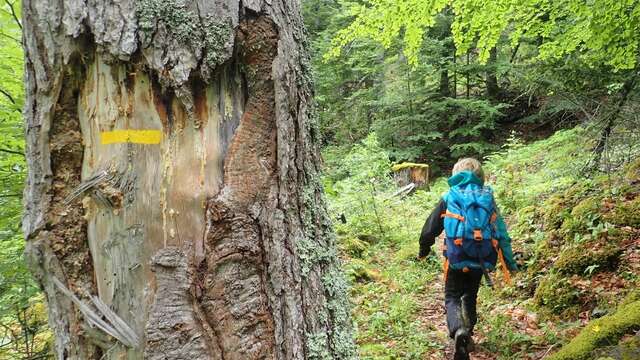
632	171
554	210
359	271
583	215
601	332
625	213
556	293
577	258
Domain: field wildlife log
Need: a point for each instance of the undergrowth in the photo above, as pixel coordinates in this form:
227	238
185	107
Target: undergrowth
575	232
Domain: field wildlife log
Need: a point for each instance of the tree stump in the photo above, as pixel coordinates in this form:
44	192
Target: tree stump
410	173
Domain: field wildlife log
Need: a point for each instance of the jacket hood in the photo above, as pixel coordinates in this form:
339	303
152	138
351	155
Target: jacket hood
464	178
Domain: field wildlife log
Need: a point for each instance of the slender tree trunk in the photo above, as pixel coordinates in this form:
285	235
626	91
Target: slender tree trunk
455	75
468	77
493	89
611	118
445	90
173	206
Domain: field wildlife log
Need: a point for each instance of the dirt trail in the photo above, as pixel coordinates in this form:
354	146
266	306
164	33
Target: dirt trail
432	316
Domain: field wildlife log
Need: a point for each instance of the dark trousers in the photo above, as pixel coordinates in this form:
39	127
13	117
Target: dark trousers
460	294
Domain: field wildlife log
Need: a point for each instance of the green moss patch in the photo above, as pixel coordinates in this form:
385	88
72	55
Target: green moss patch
584	215
601	332
632	171
554	210
359	271
556	293
625	213
579	258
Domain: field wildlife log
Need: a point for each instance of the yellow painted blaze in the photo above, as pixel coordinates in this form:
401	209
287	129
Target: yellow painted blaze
131	136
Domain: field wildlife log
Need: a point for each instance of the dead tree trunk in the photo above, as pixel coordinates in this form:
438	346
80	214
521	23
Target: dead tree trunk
173	206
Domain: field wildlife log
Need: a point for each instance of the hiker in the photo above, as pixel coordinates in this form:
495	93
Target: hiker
475	240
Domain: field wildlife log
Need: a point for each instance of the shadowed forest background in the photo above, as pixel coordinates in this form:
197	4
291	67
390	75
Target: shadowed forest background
546	93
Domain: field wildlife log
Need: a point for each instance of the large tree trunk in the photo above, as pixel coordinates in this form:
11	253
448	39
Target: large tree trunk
173	207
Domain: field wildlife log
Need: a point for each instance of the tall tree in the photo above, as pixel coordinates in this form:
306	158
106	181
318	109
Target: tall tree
173	206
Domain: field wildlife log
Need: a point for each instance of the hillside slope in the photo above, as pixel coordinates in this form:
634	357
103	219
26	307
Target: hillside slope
577	234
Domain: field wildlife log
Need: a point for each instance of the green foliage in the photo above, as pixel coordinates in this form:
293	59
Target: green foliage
386	322
356	178
559	216
23	318
346	89
425	112
502	339
600	32
526	175
625	213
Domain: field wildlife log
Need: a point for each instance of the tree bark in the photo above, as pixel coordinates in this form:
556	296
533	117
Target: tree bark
173	208
445	90
491	79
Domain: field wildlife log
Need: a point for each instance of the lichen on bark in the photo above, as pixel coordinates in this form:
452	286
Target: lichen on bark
180	25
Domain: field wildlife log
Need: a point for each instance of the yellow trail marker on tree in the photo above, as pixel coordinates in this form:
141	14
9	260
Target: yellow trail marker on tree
131	136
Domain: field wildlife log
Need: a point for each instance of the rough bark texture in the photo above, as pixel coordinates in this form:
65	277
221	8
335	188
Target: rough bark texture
209	242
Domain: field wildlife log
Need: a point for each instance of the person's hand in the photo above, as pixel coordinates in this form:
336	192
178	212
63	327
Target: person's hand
423	255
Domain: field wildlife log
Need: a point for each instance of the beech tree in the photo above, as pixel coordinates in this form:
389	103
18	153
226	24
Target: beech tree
173	208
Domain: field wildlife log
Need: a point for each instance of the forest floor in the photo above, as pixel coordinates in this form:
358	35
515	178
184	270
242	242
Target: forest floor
411	307
579	238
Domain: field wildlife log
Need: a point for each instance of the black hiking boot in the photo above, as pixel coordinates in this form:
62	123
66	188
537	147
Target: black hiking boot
462	340
471	345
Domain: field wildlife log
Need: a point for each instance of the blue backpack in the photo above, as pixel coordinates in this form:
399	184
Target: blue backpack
470	228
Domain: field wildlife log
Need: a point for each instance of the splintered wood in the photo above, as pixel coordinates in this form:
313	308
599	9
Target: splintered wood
129	123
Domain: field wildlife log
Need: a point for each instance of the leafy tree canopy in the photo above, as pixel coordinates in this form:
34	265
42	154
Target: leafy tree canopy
601	32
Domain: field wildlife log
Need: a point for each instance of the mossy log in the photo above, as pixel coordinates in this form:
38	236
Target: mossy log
601	332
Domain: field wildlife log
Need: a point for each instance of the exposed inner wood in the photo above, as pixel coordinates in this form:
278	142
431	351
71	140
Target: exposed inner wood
155	193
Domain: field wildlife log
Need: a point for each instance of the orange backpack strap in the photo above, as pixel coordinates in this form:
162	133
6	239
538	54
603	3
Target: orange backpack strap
445	266
505	269
452	215
503	263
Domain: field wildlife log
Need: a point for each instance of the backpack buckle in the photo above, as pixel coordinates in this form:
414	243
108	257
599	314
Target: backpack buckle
477	235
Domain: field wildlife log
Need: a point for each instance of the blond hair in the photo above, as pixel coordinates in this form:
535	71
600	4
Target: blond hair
469	164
